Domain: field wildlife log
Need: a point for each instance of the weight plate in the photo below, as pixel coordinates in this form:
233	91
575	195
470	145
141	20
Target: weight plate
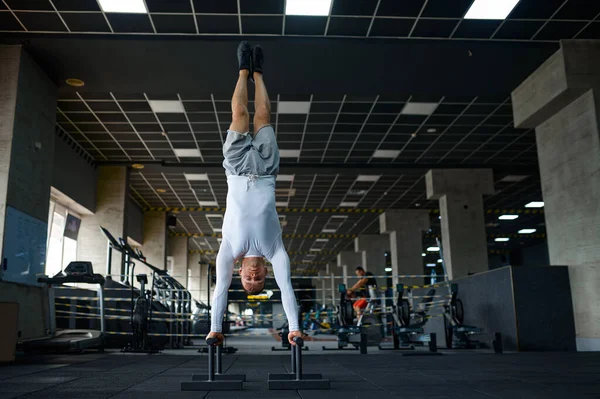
371	327
459	311
404	312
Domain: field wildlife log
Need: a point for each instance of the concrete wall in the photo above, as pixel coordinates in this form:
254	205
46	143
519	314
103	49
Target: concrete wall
27	120
111	200
9	59
33	142
80	186
155	238
531	307
33	308
178	249
135	221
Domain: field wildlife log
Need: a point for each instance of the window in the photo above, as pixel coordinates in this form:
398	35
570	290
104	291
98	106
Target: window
63	228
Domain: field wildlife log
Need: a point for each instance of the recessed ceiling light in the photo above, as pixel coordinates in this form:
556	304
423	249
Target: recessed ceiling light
431	130
328	230
348	204
308	7
137	166
124	6
187	152
502	239
430	265
161	190
289	153
203	244
439	261
167	106
388	269
508	217
423	254
196	176
417	205
386	153
419	108
490	9
527	231
208	203
513	178
433	249
285	192
75	82
285	178
367	177
282	204
322	240
535	204
293	107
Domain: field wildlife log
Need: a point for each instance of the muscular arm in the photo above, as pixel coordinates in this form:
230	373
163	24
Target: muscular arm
281	269
225	262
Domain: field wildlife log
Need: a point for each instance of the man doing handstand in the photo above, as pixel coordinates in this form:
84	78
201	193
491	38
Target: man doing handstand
251	229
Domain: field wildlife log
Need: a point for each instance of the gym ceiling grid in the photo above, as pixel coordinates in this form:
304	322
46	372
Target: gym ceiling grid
376	129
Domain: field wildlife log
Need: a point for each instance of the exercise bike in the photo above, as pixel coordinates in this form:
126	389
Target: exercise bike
367	330
141	317
408	324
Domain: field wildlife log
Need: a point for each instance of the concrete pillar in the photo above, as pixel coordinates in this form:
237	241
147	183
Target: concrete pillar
27	123
373	248
405	228
561	100
194	276
155	238
464	241
178	249
111	202
348	261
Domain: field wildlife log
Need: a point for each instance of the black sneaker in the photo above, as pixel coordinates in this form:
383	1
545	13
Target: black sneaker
257	59
244	55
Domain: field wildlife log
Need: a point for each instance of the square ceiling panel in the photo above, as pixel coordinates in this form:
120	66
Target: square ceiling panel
434	27
391	27
174	23
8	22
138	23
348	26
35	21
395	8
512	29
86	22
262	25
169	6
76	5
476	28
216	7
261	7
447	9
218	24
557	30
305	25
354	7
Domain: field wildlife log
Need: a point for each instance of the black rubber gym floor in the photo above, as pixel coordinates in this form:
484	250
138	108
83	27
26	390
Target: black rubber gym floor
373	376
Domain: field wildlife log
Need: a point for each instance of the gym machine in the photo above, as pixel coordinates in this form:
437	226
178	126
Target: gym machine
408	326
70	339
141	317
366	332
454	316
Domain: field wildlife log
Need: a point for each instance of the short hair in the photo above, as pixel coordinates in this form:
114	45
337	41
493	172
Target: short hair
360	269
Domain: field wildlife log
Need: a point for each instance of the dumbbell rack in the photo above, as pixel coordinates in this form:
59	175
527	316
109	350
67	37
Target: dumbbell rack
297	379
216	380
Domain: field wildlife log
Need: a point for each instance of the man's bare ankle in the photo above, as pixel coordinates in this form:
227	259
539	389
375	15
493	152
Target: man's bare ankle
244	72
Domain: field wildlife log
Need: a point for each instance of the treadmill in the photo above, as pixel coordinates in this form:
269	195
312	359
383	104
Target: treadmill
70	339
